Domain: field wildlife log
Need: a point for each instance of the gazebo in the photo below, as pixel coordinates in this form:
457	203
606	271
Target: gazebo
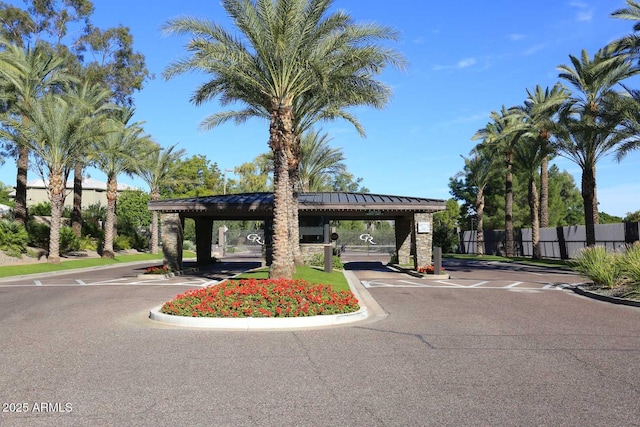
413	217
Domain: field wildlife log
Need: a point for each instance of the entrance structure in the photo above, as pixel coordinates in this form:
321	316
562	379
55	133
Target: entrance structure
413	218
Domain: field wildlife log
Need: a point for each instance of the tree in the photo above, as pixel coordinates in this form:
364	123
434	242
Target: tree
56	130
444	227
27	73
119	151
193	177
252	176
632	216
319	163
156	170
503	134
294	54
589	123
479	169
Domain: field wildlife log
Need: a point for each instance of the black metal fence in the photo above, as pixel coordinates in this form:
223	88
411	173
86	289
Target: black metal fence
556	242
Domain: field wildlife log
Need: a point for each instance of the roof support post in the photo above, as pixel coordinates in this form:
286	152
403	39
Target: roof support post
403	226
422	237
204	228
172	236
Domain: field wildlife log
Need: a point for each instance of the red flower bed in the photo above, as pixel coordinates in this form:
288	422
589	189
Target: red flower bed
160	269
428	269
262	298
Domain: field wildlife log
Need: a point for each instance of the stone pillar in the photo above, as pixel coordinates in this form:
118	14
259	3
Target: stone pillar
423	238
204	228
172	236
403	239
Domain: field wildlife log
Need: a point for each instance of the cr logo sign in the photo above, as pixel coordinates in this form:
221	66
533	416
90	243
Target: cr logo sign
367	238
255	238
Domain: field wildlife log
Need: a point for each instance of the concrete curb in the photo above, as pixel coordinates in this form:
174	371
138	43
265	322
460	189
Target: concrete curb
606	298
370	311
420	275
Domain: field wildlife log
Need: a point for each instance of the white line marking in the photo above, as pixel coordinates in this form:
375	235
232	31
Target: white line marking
37	282
478	284
513	285
80	282
549	286
444	282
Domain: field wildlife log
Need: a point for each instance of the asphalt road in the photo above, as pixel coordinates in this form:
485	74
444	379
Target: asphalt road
77	354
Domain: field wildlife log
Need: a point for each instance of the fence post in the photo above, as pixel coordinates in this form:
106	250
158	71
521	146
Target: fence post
437	260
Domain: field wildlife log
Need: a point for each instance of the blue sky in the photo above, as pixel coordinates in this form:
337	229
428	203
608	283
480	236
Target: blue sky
465	58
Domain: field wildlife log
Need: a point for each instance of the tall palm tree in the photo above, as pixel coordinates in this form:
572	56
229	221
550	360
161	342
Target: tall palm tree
503	134
119	151
629	44
318	162
25	75
540	110
479	170
156	170
589	125
93	99
293	52
56	130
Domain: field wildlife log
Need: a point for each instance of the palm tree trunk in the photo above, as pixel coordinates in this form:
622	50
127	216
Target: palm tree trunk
480	229
282	265
112	195
544	192
294	219
508	208
535	222
20	209
76	212
155	195
590	203
56	190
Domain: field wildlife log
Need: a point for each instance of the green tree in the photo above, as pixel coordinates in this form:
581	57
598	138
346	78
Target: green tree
632	216
589	123
156	170
294	54
319	163
503	134
253	176
120	151
565	201
193	177
445	224
26	74
133	216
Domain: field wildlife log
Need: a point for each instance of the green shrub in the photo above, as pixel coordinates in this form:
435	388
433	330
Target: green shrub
630	265
88	243
38	234
317	260
13	238
599	265
68	240
40	209
121	243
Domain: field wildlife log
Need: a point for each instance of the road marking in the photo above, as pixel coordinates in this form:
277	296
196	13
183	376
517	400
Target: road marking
478	284
37	282
80	282
514	284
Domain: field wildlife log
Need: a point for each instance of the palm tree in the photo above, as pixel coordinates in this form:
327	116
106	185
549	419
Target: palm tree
502	135
156	170
293	54
540	111
479	170
119	151
25	75
94	100
589	125
318	162
56	130
629	44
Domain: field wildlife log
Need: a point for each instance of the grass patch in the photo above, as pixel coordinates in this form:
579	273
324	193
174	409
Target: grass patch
24	269
521	260
309	274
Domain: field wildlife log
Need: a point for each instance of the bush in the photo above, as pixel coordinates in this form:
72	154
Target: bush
121	243
630	265
317	260
599	265
38	234
40	209
13	238
68	240
88	243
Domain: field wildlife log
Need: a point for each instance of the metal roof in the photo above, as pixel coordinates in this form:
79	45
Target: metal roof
258	205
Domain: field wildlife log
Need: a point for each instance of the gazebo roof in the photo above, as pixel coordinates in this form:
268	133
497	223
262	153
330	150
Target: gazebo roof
335	204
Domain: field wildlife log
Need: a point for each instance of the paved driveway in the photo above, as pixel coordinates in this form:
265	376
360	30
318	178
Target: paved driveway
442	356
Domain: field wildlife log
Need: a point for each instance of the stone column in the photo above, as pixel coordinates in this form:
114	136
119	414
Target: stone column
423	238
403	239
204	228
172	236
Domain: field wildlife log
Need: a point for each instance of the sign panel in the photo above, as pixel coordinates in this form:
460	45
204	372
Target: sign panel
424	227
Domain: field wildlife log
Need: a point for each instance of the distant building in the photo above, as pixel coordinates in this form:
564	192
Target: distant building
93	192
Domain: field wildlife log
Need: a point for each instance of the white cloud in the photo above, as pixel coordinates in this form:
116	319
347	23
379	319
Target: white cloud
514	37
585	16
465	63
